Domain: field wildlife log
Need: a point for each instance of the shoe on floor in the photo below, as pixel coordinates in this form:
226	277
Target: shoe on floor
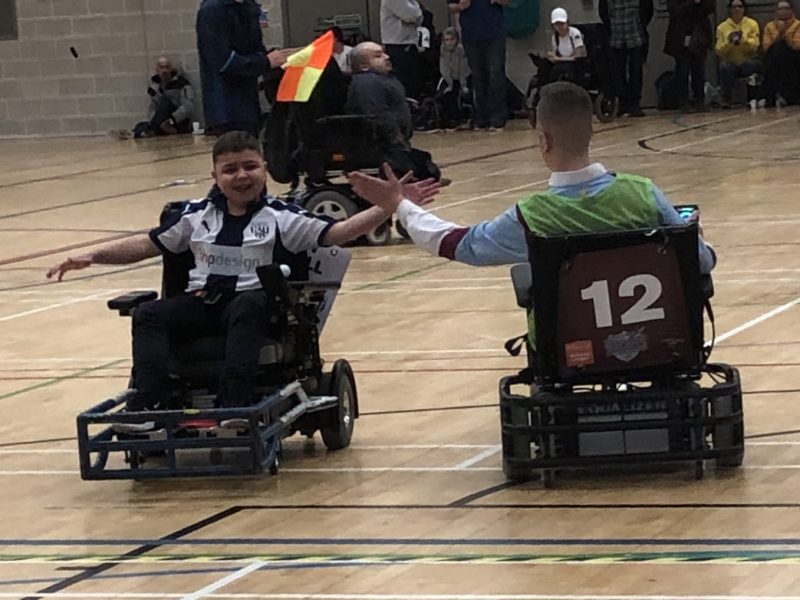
753	104
762	103
636	112
445	181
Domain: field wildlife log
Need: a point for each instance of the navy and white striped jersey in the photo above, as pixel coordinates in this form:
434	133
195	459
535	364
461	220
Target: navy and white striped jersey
227	249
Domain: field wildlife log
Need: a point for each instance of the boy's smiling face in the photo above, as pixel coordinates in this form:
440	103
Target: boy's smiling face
241	176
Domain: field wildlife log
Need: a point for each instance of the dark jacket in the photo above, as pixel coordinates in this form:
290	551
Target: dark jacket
180	94
645	16
688	19
232	56
379	95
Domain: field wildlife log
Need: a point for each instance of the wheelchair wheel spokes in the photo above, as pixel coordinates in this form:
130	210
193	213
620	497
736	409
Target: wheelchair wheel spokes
331	204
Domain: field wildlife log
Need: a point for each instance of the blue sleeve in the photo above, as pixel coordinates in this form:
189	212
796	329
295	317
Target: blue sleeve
217	35
667	215
497	242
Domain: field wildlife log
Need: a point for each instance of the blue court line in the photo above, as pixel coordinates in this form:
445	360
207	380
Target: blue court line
410	541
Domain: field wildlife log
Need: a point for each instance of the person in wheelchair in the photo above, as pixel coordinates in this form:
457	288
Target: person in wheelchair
231	233
562	62
374	91
582	197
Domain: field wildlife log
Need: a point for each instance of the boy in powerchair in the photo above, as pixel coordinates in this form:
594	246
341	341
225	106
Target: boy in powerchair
583	197
238	228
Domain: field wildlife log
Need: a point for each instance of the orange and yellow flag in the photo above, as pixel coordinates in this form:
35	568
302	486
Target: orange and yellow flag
304	68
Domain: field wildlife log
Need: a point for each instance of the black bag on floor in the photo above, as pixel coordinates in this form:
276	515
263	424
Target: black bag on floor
667	91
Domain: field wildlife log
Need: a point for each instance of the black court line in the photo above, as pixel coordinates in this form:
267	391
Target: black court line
527	506
756	436
34	442
37	211
104	169
427	409
90	572
482	494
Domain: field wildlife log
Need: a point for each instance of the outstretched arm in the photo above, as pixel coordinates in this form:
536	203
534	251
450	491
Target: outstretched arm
422	192
120	253
496	242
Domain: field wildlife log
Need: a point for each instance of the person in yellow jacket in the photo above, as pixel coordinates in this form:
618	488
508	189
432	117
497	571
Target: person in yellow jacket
738	40
782	56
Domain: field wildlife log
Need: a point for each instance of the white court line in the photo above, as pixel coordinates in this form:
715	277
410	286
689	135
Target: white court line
728	134
478	457
210	589
489	449
52	306
753	322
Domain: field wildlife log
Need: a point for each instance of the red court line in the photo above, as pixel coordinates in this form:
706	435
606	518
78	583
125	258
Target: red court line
24	257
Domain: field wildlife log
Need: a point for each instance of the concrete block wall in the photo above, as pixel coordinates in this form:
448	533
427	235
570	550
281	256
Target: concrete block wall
44	90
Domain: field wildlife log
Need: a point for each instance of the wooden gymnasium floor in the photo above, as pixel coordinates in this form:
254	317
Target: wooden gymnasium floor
418	507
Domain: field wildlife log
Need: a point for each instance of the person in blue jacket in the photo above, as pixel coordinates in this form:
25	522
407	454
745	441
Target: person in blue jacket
232	57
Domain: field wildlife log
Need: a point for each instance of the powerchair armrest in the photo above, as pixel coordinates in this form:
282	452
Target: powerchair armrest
127	302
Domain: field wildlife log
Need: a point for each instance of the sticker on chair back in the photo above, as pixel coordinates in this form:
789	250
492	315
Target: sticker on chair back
579	353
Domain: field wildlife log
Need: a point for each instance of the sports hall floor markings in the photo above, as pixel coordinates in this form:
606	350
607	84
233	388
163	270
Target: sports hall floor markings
374	596
76	246
73	174
663	558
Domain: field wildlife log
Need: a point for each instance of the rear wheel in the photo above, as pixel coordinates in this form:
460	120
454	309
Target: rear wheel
339	430
380	236
331	204
605	107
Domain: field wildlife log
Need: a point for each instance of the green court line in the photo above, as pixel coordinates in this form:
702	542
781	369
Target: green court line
367	286
55	380
672	558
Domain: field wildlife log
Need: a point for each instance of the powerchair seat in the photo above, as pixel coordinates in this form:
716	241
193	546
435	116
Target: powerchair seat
618	369
295	394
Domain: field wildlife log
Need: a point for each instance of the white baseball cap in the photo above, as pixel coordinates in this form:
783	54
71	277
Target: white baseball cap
559	15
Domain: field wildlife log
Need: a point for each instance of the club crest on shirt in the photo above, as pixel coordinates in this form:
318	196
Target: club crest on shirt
259	231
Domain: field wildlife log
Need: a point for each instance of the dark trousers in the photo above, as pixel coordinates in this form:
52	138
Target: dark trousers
164	110
242	319
729	73
405	66
628	65
403	159
454	112
487	61
782	73
695	67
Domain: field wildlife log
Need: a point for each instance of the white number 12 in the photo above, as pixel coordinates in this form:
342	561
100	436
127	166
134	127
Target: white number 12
641	312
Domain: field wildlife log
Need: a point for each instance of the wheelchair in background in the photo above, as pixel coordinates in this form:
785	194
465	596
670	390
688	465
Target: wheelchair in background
594	73
311	145
618	371
296	393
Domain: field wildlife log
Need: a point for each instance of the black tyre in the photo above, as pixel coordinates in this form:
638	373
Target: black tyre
332	204
605	107
402	231
516	473
338	432
380	236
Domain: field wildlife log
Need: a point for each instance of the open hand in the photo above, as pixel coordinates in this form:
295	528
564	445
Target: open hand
386	193
422	192
71	264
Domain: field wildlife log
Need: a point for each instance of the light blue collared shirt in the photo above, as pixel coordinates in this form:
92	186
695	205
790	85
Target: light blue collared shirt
502	240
